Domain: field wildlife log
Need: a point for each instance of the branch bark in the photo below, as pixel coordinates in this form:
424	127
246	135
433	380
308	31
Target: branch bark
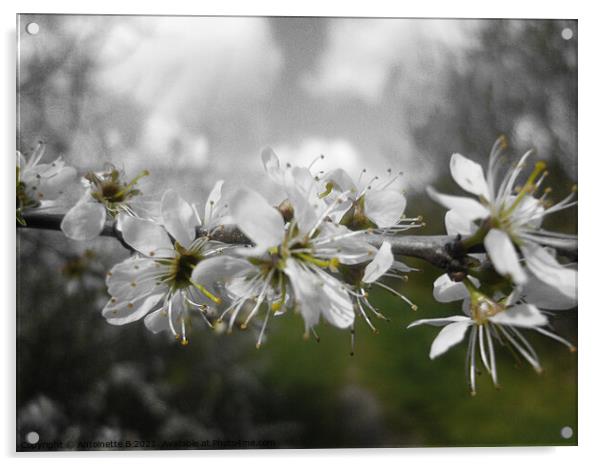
439	250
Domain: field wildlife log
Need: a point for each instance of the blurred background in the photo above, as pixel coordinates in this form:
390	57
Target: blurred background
195	99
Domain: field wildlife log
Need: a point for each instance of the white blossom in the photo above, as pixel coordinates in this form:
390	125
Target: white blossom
371	206
494	320
215	211
368	204
289	265
156	283
105	194
373	203
511	218
39	185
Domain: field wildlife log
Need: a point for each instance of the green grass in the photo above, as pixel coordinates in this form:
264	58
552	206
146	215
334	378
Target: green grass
426	402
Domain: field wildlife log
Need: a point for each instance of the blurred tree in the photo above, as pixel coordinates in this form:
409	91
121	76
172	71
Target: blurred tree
519	78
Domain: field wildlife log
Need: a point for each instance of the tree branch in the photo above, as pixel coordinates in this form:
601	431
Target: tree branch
439	250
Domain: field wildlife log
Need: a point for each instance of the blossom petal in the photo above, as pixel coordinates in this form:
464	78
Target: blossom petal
144	208
546	239
503	255
302	192
210	271
445	290
271	165
337	307
385	207
545	267
466	206
456	224
546	296
146	237
53	186
307	290
124	280
350	250
337	213
300	179
469	175
270	160
383	260
257	219
521	315
212	203
529	211
85	220
157	321
340	180
449	336
124	312
178	218
305	213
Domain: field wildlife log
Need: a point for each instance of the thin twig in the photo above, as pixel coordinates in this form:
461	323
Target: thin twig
440	250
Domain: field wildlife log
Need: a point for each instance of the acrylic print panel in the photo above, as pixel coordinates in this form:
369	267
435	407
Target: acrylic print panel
248	232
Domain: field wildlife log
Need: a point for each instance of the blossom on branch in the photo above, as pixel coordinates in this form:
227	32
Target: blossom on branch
157	282
371	204
510	218
302	257
290	265
104	193
314	254
39	185
498	319
366	205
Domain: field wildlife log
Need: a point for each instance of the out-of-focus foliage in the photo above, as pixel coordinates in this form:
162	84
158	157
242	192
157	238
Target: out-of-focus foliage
521	80
82	380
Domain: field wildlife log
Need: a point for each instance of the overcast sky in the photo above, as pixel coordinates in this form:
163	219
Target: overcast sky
221	89
208	93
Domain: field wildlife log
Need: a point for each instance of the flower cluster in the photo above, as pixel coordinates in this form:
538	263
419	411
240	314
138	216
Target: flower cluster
510	218
507	288
320	251
494	318
302	258
105	193
157	283
40	185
